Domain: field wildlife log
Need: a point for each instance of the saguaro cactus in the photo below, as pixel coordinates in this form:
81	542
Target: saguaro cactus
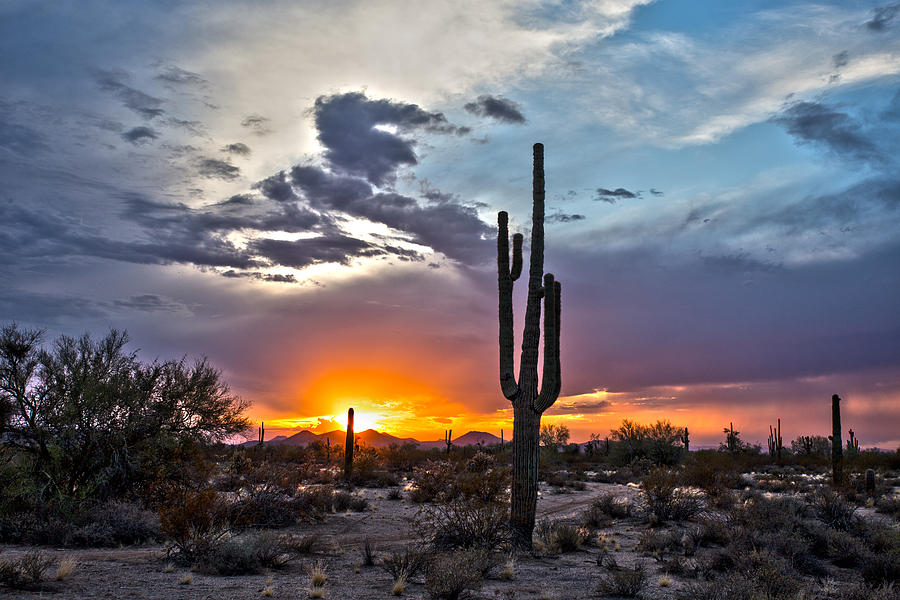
448	439
685	440
837	453
775	441
262	432
348	445
528	403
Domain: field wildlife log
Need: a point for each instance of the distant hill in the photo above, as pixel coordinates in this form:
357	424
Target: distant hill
376	439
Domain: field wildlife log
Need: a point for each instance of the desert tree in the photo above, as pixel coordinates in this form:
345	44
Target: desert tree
91	416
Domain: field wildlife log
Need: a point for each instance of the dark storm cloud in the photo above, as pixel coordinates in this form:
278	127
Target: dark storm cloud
213	168
347	126
138	135
883	16
276	188
272	277
237	148
612	196
818	124
257	124
656	192
114	82
496	107
302	253
564	218
450	228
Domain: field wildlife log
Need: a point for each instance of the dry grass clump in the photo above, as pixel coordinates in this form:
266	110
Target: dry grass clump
406	563
399	586
317	575
559	536
509	569
65	567
25	572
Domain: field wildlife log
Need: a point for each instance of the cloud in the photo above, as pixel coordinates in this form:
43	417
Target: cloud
499	108
174	75
152	303
302	253
818	124
20	139
276	187
450	228
559	217
257	124
238	148
612	196
656	192
139	135
271	277
213	168
347	126
114	82
883	16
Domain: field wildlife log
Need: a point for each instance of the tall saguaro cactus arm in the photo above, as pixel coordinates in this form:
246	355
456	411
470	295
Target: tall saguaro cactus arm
505	279
550	382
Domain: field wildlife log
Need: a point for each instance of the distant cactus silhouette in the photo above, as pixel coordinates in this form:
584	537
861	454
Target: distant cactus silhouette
870	481
852	444
775	441
837	454
262	432
685	440
348	446
528	403
448	437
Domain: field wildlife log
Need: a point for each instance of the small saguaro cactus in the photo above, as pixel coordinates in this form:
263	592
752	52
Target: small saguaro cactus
448	437
262	432
685	440
775	440
348	445
852	443
837	453
528	403
870	481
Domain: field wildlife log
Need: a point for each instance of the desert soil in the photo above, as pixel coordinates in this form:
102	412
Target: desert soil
140	572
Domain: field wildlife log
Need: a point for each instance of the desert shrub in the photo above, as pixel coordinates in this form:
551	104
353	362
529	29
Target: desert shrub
714	529
465	524
712	472
727	587
451	574
317	499
653	541
406	563
193	522
303	544
600	511
244	554
266	507
27	571
882	568
624	583
402	459
666	501
116	523
846	550
889	505
832	508
434	481
395	493
560	536
483	487
368	553
481	462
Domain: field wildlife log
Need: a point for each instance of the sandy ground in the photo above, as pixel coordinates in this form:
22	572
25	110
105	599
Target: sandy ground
140	572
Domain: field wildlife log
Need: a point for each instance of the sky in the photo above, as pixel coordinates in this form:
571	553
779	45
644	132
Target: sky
307	194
